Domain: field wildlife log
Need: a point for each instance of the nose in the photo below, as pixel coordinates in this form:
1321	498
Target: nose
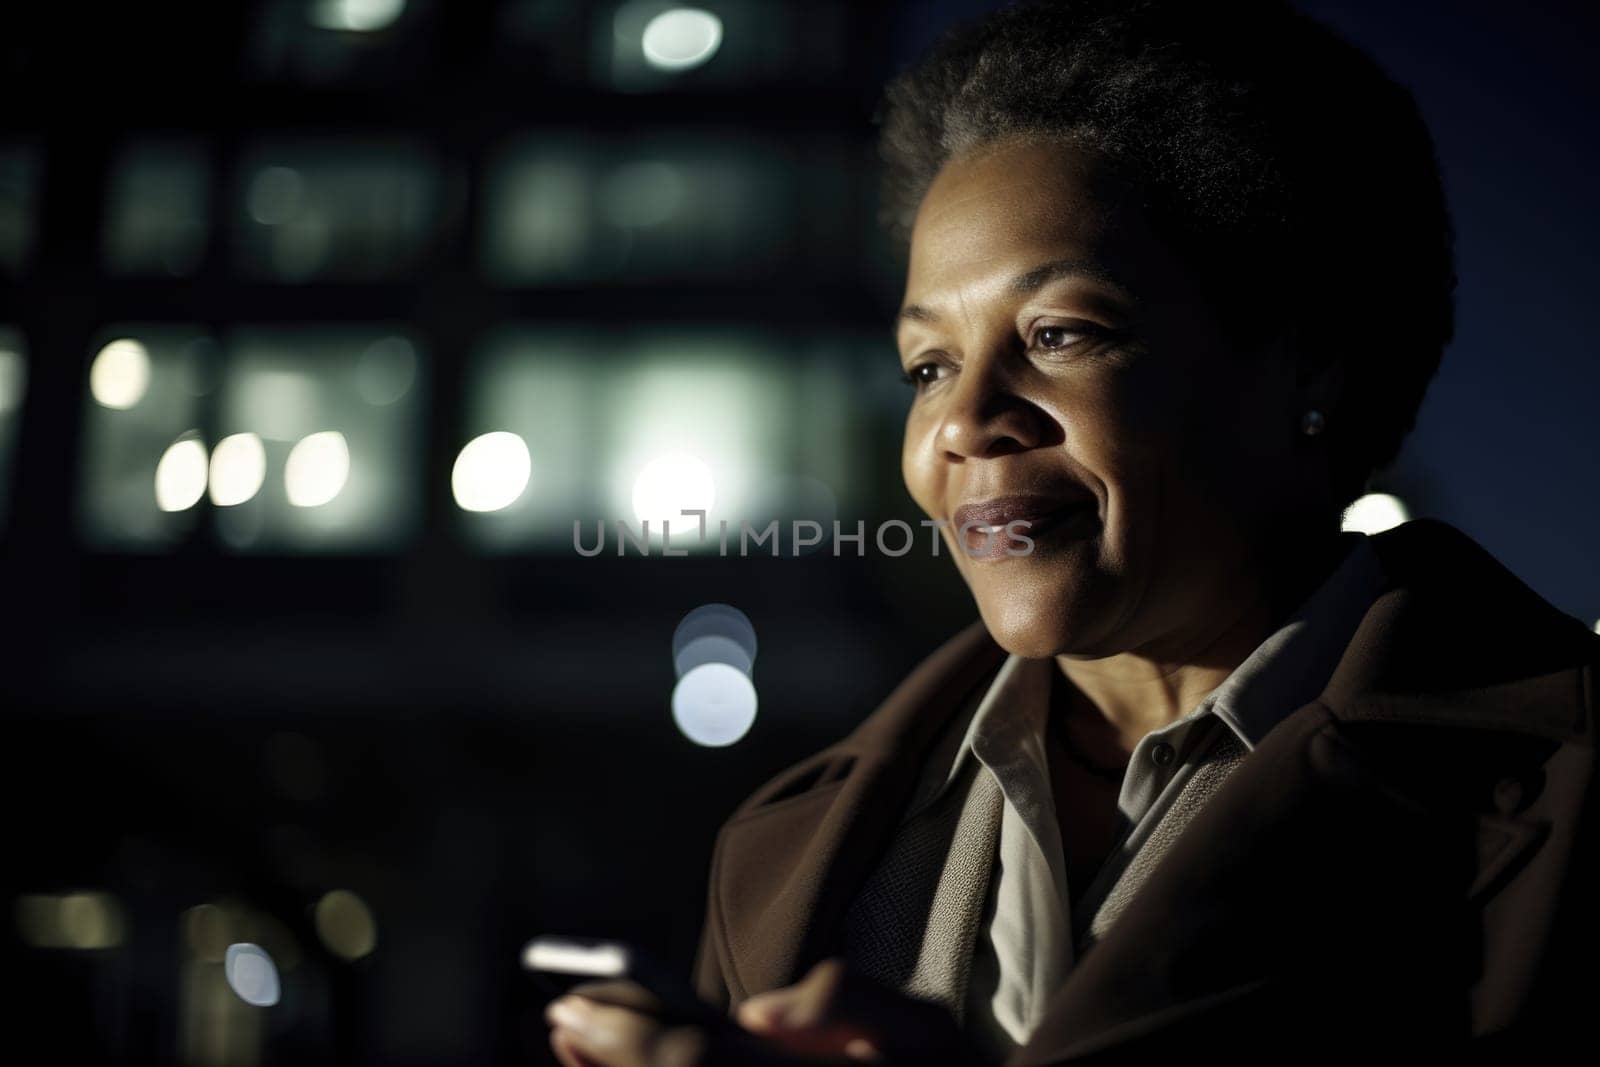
986	416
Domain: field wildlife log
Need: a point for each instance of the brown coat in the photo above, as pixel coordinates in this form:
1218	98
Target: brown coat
1412	854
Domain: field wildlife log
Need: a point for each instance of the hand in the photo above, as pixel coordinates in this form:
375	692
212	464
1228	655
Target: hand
835	1011
831	1016
622	1024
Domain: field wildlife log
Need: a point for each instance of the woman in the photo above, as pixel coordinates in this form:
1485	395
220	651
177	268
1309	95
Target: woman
1208	772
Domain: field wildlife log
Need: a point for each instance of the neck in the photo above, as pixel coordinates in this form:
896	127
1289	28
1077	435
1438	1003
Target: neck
1116	700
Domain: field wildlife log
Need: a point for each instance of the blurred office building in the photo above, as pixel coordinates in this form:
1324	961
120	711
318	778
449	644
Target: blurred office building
333	335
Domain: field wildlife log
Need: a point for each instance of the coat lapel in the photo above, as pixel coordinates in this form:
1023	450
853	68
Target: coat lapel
1341	839
1300	857
787	867
1345	863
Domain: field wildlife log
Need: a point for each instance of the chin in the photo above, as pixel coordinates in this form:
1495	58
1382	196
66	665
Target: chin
1033	625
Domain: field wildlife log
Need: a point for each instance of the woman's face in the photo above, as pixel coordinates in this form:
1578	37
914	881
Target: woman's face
1068	372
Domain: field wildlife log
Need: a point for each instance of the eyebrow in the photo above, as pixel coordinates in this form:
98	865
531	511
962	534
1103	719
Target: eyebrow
1027	282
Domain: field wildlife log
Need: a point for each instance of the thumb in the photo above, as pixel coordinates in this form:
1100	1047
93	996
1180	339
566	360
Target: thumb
810	1002
837	1010
768	1011
808	1017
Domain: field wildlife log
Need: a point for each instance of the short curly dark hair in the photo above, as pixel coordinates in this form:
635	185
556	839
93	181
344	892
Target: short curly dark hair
1268	150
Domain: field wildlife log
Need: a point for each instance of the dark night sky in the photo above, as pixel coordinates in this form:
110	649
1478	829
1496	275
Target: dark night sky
1508	433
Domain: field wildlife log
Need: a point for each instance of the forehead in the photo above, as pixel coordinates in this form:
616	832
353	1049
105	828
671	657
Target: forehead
1020	201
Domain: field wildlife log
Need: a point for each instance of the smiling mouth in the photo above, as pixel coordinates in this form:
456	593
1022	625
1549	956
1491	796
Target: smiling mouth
1011	526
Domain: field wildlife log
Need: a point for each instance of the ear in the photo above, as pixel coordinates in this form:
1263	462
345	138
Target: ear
1325	386
1319	374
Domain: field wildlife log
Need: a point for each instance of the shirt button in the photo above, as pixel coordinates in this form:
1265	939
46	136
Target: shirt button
1162	754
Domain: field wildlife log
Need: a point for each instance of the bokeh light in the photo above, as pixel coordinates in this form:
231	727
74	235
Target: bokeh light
356	16
491	472
181	474
681	39
13	380
701	424
723	622
120	374
251	974
560	956
670	485
317	469
238	469
345	924
714	705
83	920
713	651
712	648
1375	513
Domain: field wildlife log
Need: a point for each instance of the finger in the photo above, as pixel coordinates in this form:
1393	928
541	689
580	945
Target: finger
685	1046
602	1035
825	1041
559	1048
566	1054
615	1036
730	1046
862	1049
819	998
837	1012
619	991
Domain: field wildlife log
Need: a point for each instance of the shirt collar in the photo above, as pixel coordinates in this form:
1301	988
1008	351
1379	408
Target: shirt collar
1286	671
1022	686
1292	666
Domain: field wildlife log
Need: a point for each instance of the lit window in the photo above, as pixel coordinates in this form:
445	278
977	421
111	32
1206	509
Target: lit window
602	428
646	208
343	42
19	175
13	388
338	416
335	212
542	390
289	439
143	415
157	210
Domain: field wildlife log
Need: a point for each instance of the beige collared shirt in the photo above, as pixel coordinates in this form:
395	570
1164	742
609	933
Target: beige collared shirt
1025	945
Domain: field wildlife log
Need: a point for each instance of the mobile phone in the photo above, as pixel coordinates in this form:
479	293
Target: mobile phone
558	963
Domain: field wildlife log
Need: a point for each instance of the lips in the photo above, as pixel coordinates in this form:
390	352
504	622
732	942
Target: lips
981	525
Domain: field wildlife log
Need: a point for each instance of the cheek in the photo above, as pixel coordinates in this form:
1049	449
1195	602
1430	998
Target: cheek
1153	425
1117	430
920	466
1231	447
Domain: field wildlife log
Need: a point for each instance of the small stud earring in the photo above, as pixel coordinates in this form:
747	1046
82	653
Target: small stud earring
1312	423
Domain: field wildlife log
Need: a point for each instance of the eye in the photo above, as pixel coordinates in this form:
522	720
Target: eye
1063	336
1058	337
922	375
1053	337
